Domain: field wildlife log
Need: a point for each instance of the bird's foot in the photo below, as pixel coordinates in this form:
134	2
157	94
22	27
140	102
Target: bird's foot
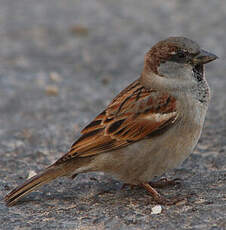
171	201
164	182
161	199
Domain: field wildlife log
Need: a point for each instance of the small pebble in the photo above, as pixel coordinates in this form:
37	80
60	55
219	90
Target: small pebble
31	174
156	209
79	30
54	76
52	90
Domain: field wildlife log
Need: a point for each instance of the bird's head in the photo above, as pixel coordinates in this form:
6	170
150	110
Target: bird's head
175	60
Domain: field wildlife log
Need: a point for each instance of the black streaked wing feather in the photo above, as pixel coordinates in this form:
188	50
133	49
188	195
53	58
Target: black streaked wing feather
134	114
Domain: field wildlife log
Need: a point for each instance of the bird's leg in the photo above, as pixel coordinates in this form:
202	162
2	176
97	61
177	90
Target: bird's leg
164	182
161	199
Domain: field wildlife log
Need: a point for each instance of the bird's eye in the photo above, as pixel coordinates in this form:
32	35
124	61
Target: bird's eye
181	54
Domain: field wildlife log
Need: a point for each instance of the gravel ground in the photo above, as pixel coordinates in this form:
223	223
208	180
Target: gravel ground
61	62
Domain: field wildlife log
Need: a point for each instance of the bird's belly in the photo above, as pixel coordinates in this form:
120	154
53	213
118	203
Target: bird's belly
169	155
141	161
169	150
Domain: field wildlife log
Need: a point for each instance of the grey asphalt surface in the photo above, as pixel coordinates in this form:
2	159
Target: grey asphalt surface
61	63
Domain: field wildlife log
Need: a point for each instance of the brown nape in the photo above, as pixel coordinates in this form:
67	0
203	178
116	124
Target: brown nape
158	53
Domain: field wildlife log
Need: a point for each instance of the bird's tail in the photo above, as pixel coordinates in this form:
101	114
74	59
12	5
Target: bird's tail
33	183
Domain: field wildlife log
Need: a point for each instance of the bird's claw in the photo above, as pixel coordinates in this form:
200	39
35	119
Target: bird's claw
164	182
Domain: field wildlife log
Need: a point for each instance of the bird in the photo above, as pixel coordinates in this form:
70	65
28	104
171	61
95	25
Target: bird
150	127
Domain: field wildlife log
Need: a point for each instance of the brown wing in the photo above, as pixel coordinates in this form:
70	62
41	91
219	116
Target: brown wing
134	114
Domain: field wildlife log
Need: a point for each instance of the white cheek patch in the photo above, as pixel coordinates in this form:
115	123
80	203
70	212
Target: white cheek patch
175	70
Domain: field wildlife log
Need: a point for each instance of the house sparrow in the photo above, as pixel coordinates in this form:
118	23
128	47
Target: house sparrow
150	127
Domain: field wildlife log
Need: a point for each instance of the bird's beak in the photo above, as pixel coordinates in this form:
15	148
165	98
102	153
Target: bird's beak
204	57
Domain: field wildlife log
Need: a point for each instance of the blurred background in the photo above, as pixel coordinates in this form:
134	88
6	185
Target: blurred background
61	63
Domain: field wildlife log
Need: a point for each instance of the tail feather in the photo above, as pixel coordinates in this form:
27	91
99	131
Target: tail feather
33	183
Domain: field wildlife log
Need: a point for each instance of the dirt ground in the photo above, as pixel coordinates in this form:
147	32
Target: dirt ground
61	63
